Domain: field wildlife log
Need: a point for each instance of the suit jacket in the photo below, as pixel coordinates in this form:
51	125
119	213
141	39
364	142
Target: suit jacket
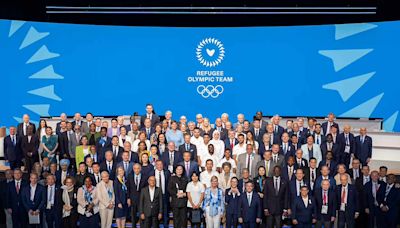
280	161
20	129
318	182
12	152
145	131
232	203
391	200
352	205
103	196
293	189
242	163
368	200
146	206
316	152
110	133
192	150
70	173
325	130
261	132
276	203
63	143
223	133
73	142
351	173
14	199
155	119
301	136
39	200
290	151
270	170
285	172
249	213
193	167
103	167
30	147
335	149
363	151
133	193
102	146
303	165
129	170
118	156
341	141
332	166
323	138
227	142
177	159
302	213
331	203
307	176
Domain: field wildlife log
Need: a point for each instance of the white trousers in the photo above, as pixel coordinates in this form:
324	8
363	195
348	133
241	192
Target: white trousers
106	217
213	221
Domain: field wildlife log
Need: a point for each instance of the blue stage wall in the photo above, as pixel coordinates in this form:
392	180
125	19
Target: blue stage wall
352	70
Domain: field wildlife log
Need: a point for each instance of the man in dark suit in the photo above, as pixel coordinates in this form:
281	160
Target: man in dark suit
325	176
189	166
330	163
355	170
231	141
135	185
363	147
301	135
277	129
286	148
116	149
300	162
346	142
370	200
325	198
150	114
296	184
289	170
126	164
78	121
5	216
389	201
14	200
257	131
34	198
294	141
171	158
22	128
150	204
147	128
223	133
318	136
362	220
29	147
108	164
347	203
304	209
330	146
162	179
187	146
63	172
276	198
63	140
275	137
12	152
103	144
52	193
311	174
326	126
250	207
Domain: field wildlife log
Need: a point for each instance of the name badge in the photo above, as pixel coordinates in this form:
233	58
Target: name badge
347	149
342	206
324	209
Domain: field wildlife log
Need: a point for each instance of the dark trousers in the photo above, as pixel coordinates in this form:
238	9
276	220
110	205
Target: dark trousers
231	220
165	212
325	224
374	218
92	221
304	225
180	216
344	218
150	222
19	218
51	218
70	221
345	159
192	224
274	220
15	164
29	161
249	225
134	212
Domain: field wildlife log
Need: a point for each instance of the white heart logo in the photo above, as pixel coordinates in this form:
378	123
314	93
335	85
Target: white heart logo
210	52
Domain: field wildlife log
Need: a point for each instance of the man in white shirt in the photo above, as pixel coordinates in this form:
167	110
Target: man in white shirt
196	139
34	197
50	209
210	156
229	159
239	148
205	176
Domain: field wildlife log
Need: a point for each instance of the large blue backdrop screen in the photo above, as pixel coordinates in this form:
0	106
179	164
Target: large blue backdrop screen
349	69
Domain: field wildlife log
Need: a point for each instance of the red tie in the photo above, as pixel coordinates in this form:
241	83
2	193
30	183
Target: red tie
343	195
325	198
232	144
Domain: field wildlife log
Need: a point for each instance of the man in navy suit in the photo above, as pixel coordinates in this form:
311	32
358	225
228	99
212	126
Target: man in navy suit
277	129
325	171
276	198
190	147
325	198
257	131
12	152
330	146
231	140
347	203
329	162
126	164
296	184
171	158
289	170
135	184
63	172
250	207
103	144
301	135
108	164
147	128
162	179
34	198
52	203
326	126
286	148
363	147
14	200
116	149
389	201
190	166
150	114
346	142
370	199
304	209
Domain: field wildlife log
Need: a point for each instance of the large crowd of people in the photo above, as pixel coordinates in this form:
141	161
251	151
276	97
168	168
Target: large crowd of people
248	173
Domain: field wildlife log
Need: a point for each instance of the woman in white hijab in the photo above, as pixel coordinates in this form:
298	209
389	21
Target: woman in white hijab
219	146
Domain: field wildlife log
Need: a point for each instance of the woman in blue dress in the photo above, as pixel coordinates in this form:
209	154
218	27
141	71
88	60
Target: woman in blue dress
121	197
50	144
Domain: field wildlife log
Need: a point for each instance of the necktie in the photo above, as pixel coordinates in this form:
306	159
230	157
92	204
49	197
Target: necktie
312	176
126	166
137	182
187	147
276	186
160	182
97	178
276	128
249	199
275	159
343	198
109	167
347	140
248	162
51	196
171	158
267	167
13	139
290	172
325	198
362	139
17	188
284	148
256	133
187	169
232	144
317	139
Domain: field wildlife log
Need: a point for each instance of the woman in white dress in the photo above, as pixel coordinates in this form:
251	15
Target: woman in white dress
123	137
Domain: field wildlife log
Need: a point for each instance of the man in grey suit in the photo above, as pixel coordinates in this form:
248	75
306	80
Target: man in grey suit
74	138
248	160
150	204
277	159
267	163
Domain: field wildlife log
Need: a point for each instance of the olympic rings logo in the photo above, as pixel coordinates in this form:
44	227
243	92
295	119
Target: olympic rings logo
210	91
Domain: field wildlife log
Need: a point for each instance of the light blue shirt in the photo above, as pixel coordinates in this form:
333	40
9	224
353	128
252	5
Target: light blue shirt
176	137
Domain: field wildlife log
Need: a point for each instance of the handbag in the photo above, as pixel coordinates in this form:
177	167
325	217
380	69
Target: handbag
196	216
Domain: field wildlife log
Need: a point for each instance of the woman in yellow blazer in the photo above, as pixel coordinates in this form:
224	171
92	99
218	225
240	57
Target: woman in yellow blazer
82	150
